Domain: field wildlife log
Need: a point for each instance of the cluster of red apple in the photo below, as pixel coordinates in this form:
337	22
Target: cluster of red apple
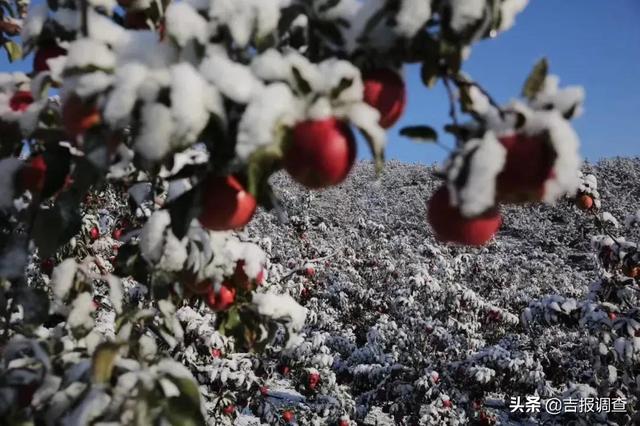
319	154
528	166
222	297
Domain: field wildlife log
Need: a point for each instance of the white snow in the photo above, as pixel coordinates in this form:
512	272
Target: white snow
273	107
32	25
184	24
188	104
122	98
62	278
412	17
86	52
232	79
465	13
154	140
508	11
153	236
280	307
485	159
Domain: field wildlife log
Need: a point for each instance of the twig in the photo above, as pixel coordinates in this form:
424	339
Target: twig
452	106
604	228
461	82
84	16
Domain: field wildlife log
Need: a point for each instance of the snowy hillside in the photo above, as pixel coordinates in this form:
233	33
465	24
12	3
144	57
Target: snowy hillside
407	323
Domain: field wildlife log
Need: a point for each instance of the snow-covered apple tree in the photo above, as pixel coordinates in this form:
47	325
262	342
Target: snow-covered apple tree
144	135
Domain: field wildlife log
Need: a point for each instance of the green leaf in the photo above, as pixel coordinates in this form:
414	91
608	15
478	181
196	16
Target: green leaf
420	133
429	72
13	49
184	209
535	81
103	361
263	163
65	214
344	84
302	84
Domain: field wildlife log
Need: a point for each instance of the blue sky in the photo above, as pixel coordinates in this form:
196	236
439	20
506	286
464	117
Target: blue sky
593	43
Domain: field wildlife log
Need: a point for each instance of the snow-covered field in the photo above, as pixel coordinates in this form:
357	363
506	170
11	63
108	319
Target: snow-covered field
398	324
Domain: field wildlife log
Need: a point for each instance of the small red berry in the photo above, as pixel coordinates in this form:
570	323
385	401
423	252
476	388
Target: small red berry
309	271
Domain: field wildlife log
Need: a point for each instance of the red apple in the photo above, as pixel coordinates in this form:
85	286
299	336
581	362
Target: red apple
320	153
313	380
43	54
32	176
222	300
451	227
260	277
47	266
94	233
529	164
226	204
241	279
385	90
264	391
79	116
613	316
447	403
216	353
585	202
21	100
288	416
116	234
229	409
344	422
